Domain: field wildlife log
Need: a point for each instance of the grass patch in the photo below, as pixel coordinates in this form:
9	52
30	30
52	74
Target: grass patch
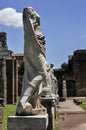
56	121
56	128
9	110
56	125
83	105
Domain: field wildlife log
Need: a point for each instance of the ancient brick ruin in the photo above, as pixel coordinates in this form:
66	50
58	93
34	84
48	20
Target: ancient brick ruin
75	76
3	81
8	73
12	81
77	66
3	40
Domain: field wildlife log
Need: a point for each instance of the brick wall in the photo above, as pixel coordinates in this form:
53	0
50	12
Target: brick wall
3	85
12	81
80	72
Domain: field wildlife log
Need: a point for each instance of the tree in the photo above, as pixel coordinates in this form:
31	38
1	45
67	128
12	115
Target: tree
64	66
21	69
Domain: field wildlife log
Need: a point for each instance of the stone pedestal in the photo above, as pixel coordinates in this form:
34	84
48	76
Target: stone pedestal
49	103
38	122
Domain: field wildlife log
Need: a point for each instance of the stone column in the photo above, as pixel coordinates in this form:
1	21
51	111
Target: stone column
12	81
3	87
49	103
9	70
5	82
15	80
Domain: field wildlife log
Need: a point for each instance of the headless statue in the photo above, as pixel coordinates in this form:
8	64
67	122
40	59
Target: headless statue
36	67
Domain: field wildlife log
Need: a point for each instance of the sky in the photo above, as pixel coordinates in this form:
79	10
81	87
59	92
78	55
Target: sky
63	23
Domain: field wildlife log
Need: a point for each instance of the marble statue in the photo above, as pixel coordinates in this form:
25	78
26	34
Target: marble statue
52	88
36	66
64	89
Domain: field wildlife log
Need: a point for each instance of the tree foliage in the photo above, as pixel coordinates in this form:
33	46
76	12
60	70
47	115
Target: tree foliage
21	69
64	66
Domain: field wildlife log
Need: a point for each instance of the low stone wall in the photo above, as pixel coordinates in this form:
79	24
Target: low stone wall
1	118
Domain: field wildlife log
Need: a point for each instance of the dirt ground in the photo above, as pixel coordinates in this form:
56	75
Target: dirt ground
72	122
71	116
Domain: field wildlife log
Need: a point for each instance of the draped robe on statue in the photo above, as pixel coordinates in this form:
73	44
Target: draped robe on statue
36	67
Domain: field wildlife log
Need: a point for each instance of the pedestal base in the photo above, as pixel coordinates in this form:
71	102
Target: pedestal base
49	103
38	122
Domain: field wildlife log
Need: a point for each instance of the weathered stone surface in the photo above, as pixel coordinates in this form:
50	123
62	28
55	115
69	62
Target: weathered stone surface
77	67
3	40
4	52
3	85
49	103
39	122
64	89
36	67
12	81
8	81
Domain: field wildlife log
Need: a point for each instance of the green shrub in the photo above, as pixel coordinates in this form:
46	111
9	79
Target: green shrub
83	106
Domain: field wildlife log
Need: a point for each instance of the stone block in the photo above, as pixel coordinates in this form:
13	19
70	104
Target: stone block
38	122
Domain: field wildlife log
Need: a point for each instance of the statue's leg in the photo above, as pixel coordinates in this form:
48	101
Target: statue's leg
25	106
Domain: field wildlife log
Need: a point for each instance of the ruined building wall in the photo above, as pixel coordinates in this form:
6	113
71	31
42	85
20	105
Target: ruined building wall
8	73
3	40
3	80
8	81
79	65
